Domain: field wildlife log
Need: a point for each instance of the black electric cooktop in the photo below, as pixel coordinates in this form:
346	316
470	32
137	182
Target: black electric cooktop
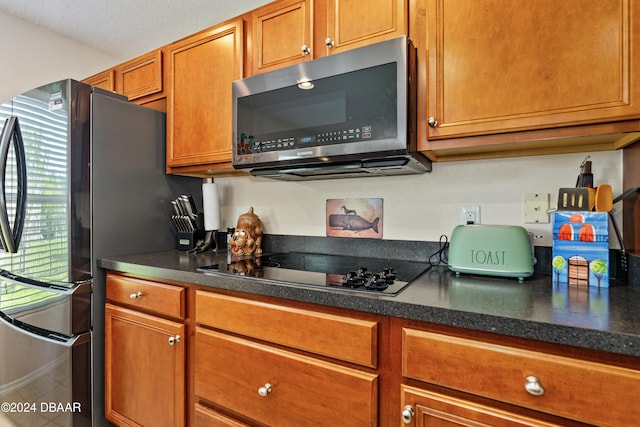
346	273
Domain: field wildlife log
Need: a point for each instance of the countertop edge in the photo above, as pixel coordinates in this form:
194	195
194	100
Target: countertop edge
555	333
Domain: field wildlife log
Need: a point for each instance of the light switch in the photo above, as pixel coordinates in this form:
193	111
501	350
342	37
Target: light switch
536	206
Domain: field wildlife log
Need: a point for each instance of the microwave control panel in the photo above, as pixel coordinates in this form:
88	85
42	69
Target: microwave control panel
250	144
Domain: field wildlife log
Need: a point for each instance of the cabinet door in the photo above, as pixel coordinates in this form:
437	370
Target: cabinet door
280	31
141	76
104	80
423	408
201	70
507	65
355	23
144	369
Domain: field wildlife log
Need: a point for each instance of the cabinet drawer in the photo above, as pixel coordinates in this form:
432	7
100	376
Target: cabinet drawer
298	390
340	337
431	409
157	297
573	388
205	417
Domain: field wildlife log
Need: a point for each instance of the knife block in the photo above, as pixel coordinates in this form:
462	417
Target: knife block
187	240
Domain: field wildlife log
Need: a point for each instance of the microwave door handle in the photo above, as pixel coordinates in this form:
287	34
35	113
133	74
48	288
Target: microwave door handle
10	238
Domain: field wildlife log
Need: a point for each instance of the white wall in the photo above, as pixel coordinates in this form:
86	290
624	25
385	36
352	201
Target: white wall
421	207
415	207
32	56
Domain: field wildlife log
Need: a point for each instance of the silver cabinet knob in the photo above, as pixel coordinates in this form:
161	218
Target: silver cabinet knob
306	49
264	390
533	386
330	43
432	122
174	340
407	414
136	295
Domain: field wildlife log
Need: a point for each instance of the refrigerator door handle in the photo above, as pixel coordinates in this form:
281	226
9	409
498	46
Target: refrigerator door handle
10	236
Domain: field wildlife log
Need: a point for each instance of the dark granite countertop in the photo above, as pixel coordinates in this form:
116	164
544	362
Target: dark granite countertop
606	319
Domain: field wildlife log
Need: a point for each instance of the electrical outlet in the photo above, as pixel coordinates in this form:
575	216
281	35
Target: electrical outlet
536	206
470	214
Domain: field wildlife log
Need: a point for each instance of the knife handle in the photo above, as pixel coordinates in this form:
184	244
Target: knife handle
192	204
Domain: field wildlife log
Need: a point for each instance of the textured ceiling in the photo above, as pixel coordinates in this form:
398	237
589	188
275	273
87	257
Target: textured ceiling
126	28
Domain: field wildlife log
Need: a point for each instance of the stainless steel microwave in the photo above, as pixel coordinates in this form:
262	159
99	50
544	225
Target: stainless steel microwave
345	115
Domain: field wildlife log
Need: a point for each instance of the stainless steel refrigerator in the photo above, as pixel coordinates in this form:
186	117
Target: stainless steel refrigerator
82	178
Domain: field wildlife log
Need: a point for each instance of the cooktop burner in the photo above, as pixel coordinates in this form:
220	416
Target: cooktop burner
338	272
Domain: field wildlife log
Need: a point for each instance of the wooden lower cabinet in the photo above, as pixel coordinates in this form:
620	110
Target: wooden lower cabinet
261	361
281	388
207	417
336	336
144	369
422	408
564	386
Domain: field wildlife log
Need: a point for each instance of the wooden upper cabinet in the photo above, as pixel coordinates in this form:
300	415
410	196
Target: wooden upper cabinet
141	76
104	80
504	66
280	31
355	23
201	69
141	80
288	32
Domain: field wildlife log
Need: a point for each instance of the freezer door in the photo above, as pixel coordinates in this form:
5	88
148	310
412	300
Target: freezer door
65	311
45	349
44	378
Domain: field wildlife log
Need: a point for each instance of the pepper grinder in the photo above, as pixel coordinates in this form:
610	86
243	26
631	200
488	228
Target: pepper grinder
585	179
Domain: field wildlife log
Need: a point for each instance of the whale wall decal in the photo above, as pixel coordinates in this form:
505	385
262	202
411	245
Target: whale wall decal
353	223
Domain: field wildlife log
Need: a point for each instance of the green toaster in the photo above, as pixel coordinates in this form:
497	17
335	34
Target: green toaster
492	250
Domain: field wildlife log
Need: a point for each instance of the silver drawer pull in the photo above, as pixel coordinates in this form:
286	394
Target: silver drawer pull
264	390
174	340
533	386
136	295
